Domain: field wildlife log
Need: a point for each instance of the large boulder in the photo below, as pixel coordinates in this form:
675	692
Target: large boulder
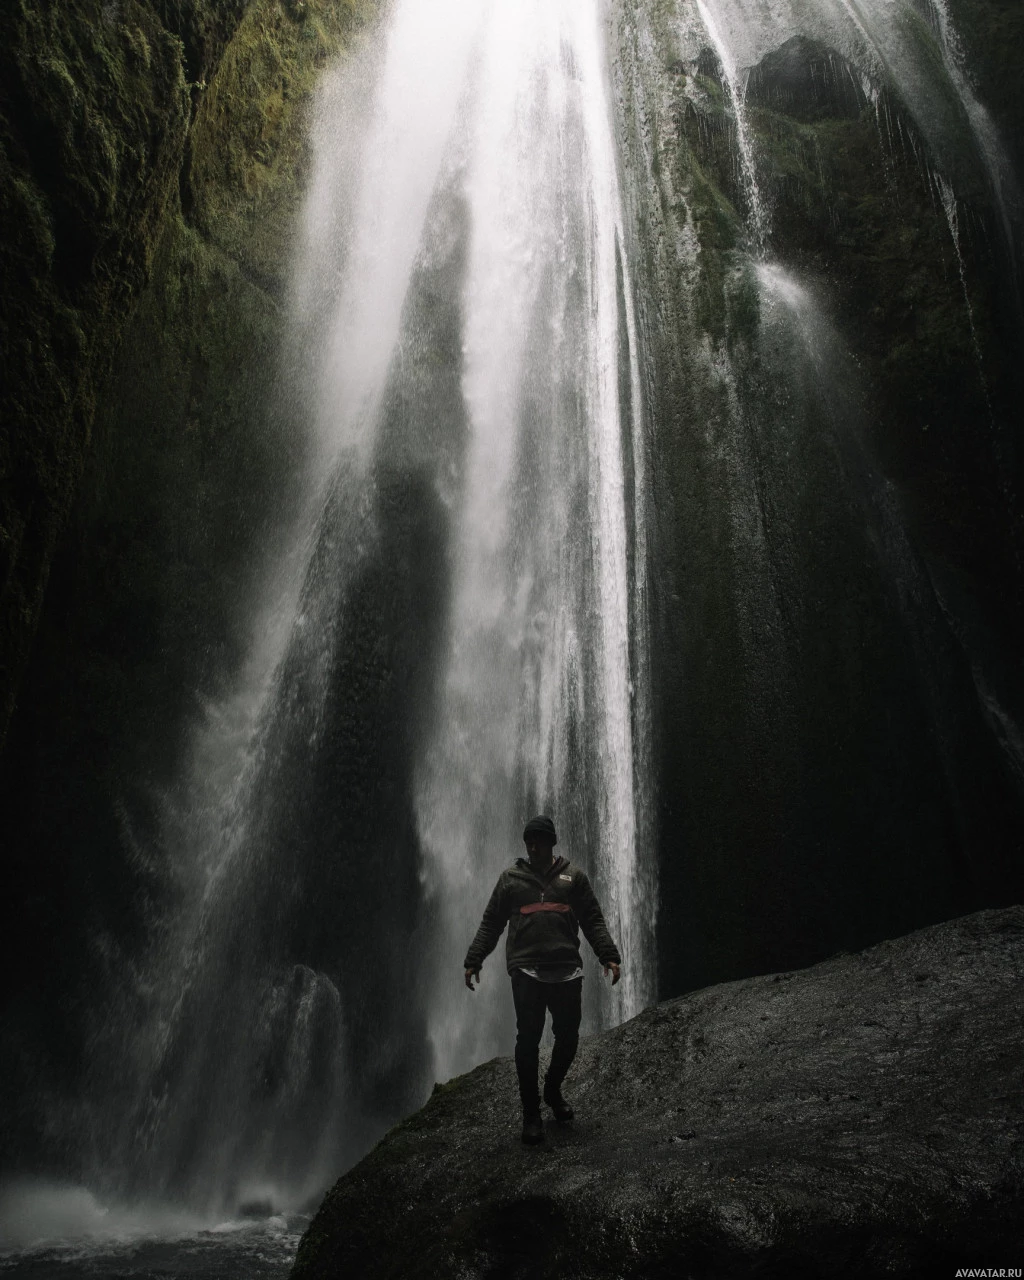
861	1117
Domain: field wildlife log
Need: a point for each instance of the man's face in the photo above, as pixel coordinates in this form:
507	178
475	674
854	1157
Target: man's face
538	847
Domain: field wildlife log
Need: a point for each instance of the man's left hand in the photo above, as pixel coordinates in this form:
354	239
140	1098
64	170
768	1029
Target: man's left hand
612	968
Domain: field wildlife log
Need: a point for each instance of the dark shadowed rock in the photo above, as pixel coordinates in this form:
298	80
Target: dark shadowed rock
825	774
859	1118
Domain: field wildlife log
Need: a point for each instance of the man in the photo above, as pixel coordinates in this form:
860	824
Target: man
545	901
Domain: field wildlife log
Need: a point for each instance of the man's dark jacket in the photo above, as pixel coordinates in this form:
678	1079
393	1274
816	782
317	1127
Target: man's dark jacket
544	914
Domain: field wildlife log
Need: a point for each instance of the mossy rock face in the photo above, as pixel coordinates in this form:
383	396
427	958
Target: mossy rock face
93	120
807	82
151	456
833	393
852	205
108	112
204	29
248	145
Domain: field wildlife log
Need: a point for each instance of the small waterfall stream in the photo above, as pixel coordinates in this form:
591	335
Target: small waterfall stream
734	78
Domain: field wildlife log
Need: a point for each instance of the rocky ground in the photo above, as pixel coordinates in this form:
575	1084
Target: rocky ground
861	1117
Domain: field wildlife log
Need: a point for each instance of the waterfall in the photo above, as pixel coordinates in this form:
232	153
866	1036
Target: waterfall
454	639
376	170
540	688
541	694
755	202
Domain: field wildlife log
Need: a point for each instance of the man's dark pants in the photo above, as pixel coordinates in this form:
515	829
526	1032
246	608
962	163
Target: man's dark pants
533	999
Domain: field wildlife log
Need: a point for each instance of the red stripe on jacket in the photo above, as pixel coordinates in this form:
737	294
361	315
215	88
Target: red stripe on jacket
531	907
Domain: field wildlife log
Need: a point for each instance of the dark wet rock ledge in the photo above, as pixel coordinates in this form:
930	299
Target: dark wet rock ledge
861	1117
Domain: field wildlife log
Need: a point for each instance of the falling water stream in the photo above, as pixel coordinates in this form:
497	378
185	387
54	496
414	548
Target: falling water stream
541	697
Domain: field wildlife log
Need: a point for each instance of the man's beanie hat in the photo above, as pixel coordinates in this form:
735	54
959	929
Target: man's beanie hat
541	826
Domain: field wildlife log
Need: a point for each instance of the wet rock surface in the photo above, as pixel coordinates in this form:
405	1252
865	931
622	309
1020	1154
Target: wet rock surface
831	569
175	480
141	142
861	1117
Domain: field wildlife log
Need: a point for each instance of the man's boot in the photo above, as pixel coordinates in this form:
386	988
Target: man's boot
561	1060
529	1095
533	1127
553	1097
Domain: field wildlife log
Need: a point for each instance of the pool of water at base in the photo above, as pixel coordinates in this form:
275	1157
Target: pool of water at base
236	1250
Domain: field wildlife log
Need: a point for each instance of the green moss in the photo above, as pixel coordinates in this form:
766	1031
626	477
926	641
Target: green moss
248	143
91	143
107	116
146	452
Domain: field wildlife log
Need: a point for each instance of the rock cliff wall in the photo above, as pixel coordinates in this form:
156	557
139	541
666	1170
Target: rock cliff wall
140	140
95	115
832	340
154	156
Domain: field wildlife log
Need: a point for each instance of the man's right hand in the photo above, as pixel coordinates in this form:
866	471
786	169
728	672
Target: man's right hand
470	975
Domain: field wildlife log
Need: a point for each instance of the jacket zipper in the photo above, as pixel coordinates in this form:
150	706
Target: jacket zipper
541	893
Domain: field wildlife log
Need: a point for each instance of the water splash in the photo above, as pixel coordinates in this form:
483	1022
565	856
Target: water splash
55	1229
35	1215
